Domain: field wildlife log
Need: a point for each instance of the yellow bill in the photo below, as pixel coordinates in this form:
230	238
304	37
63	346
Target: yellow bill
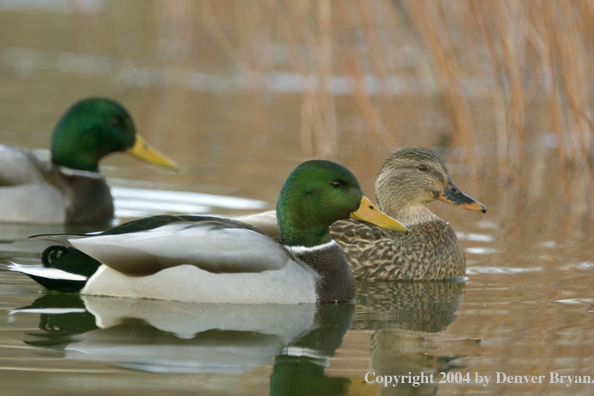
145	152
369	213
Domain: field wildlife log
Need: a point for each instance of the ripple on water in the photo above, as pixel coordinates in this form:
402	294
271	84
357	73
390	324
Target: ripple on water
139	202
499	270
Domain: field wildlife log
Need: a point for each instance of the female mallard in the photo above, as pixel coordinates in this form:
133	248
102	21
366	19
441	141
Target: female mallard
409	179
209	259
70	189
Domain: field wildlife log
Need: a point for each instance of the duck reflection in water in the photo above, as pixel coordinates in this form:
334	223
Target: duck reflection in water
403	315
177	337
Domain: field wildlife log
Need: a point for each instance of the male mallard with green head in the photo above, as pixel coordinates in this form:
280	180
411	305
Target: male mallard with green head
409	179
70	190
210	259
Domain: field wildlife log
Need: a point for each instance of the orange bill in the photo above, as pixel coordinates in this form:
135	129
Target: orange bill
452	194
143	151
369	213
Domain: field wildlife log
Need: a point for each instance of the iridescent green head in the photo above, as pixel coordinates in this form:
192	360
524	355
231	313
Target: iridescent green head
315	195
94	128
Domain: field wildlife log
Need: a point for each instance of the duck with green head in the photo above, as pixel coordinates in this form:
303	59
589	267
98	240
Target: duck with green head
210	259
409	179
70	189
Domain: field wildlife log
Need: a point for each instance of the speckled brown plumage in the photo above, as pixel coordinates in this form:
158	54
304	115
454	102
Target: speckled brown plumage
429	251
409	179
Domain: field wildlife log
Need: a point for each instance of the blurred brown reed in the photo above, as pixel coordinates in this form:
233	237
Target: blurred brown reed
470	58
500	87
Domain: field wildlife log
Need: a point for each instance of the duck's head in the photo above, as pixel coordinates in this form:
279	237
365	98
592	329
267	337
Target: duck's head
412	177
315	195
94	128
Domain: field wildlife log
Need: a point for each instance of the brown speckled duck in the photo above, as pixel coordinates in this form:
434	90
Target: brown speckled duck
409	179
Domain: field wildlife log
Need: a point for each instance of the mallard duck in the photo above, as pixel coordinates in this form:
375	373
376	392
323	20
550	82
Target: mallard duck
409	179
70	189
210	259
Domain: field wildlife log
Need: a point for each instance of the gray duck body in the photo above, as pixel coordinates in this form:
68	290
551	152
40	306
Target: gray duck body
36	192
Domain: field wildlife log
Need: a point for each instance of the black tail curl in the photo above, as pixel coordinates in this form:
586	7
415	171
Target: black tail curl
69	260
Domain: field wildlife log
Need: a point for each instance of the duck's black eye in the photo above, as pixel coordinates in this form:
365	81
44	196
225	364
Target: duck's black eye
422	167
116	121
336	183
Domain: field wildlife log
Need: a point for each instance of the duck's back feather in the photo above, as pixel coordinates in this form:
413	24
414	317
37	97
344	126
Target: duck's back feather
212	244
20	166
265	221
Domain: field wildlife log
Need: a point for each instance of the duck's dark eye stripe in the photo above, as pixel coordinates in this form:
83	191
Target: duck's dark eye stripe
422	167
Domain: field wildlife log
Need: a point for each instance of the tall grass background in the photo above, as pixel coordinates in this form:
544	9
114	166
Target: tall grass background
502	89
512	79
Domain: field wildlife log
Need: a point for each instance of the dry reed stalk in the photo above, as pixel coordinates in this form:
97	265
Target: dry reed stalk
354	68
232	53
446	78
308	102
511	66
546	21
523	43
485	28
327	133
377	63
569	51
318	134
390	14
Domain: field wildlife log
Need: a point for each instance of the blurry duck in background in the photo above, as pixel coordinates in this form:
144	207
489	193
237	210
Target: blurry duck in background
409	179
216	260
70	189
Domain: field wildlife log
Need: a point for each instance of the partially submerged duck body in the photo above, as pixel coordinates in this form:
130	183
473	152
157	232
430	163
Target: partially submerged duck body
209	259
409	179
70	189
33	191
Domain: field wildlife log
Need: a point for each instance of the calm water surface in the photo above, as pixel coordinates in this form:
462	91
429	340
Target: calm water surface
526	309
